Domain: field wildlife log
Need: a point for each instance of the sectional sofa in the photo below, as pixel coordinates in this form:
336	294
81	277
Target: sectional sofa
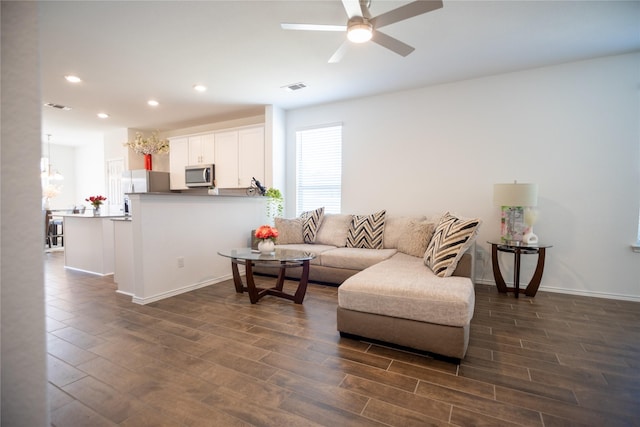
402	280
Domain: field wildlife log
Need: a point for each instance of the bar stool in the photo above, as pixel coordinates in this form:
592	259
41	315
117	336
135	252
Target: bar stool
52	231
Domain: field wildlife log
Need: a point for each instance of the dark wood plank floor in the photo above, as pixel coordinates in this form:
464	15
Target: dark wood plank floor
209	358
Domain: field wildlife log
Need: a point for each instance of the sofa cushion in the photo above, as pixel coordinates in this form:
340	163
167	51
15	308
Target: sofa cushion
451	238
396	227
354	258
311	221
334	229
290	230
366	231
416	237
402	287
316	249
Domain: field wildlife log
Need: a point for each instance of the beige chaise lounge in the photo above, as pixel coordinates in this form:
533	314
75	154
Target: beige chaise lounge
389	294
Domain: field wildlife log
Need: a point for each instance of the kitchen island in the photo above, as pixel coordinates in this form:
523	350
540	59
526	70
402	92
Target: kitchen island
89	242
171	243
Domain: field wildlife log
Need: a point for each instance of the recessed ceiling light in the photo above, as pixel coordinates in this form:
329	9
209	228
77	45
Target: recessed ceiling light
200	88
72	79
103	115
153	103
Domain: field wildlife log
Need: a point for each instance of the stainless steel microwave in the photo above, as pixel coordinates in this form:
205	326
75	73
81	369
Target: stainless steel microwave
200	175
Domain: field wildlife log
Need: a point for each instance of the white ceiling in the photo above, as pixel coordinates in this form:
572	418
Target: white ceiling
129	52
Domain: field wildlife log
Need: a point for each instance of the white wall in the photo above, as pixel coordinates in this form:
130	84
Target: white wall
572	128
90	172
23	342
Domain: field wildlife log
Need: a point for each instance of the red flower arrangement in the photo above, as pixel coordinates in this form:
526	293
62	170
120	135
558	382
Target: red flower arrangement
96	201
265	232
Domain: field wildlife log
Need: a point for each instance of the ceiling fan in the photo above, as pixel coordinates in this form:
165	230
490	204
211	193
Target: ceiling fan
361	27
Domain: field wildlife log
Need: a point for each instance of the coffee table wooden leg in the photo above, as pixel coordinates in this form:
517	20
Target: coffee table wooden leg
533	285
281	275
302	286
237	281
497	275
251	285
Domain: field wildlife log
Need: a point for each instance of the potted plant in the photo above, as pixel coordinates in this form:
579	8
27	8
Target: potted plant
148	147
275	203
96	202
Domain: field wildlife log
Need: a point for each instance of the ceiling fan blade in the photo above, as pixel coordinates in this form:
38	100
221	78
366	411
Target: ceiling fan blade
405	12
352	7
312	27
337	56
391	43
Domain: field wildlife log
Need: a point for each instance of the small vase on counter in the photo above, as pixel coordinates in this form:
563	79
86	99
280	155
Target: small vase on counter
266	246
96	211
148	162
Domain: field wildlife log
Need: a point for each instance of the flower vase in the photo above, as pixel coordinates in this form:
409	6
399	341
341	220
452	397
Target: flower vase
148	162
96	210
266	246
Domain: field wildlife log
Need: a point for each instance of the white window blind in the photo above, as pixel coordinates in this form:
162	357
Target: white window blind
319	169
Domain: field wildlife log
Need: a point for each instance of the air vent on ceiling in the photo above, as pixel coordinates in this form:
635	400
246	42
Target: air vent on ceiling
58	106
294	86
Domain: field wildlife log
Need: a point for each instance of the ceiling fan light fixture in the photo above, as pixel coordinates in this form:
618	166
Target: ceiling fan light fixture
359	30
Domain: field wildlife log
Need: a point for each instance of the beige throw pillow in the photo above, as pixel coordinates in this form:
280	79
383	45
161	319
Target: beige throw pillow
289	231
416	237
334	230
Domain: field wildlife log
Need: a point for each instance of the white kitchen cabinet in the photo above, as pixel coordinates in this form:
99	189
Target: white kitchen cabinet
189	151
251	156
201	149
240	156
226	153
178	159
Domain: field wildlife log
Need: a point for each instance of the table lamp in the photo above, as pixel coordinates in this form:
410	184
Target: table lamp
517	202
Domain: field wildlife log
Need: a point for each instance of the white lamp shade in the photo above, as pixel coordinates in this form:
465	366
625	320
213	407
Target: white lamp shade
515	194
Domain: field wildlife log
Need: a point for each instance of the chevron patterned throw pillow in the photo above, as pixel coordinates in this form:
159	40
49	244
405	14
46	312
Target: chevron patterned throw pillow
311	221
452	237
366	231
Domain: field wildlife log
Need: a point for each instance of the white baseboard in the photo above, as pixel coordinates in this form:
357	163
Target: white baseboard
87	271
571	291
129	294
178	291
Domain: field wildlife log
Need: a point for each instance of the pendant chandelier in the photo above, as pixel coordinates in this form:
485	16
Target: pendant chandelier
48	171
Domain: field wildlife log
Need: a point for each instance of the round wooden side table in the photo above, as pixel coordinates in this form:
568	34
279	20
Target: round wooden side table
517	249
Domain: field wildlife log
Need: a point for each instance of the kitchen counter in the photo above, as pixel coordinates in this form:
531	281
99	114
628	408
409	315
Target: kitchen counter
88	241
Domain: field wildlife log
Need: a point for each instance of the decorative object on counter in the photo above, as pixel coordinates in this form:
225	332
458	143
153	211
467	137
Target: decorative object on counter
148	146
267	236
96	202
513	199
256	188
48	193
530	218
275	203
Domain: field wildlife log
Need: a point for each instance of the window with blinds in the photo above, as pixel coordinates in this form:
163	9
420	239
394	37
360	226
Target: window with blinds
319	169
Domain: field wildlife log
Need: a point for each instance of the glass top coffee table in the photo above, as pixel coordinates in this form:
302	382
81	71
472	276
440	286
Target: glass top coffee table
281	259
